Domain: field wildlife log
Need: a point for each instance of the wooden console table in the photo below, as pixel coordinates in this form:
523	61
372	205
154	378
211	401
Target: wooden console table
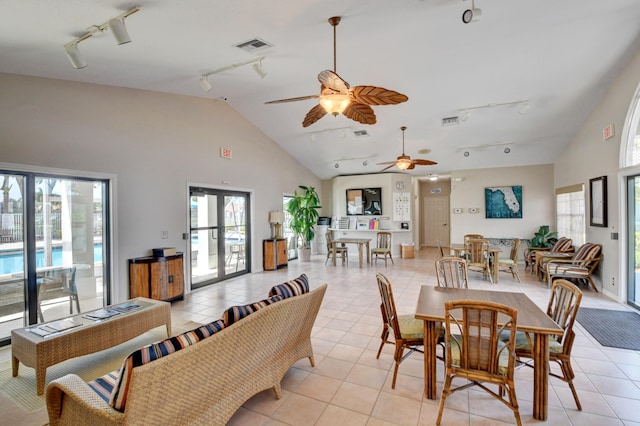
91	336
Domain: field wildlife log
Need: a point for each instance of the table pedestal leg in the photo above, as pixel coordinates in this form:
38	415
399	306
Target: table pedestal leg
540	376
430	359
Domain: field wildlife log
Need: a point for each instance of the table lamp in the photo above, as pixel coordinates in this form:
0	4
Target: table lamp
276	219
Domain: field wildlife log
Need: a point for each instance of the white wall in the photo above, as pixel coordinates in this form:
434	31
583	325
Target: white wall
588	156
537	201
155	144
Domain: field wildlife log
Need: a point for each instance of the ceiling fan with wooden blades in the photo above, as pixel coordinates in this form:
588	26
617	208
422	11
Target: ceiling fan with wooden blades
404	162
337	97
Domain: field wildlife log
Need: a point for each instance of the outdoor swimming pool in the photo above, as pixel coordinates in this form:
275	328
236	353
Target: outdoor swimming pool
11	263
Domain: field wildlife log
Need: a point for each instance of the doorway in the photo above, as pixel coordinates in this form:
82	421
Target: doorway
220	236
435	224
54	248
633	239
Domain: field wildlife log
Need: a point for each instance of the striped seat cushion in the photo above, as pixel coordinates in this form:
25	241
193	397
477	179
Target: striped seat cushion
294	287
103	386
236	313
146	354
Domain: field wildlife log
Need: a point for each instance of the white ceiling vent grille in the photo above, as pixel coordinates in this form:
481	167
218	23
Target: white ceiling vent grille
254	45
360	133
450	121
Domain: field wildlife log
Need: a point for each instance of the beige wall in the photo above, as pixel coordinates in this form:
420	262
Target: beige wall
155	144
537	201
588	156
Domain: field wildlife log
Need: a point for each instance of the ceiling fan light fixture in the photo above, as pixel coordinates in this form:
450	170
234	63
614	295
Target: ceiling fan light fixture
335	103
403	163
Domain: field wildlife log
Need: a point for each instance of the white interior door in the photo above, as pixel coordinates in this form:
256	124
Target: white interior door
436	221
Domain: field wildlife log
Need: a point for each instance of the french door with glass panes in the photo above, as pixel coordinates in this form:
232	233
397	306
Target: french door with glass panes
53	248
220	242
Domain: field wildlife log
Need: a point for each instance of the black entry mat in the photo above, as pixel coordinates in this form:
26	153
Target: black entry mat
616	329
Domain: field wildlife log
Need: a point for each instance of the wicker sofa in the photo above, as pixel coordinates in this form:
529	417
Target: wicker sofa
205	382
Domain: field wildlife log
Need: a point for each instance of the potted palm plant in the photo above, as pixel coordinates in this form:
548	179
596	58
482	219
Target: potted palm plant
303	208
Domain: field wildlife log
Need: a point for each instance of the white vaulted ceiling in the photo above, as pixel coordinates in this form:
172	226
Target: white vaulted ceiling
558	55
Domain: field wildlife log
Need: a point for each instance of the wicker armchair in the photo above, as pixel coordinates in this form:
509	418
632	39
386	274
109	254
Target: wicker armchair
562	245
579	268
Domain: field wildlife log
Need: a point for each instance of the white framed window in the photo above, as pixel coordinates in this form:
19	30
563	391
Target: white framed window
570	213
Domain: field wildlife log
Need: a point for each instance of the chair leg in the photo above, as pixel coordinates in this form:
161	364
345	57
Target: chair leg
391	257
398	357
514	404
383	337
567	372
446	390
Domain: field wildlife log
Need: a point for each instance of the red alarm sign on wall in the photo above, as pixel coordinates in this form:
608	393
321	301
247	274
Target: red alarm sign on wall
225	153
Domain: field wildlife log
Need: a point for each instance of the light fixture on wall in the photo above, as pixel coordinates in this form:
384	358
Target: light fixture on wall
276	219
471	15
117	27
257	67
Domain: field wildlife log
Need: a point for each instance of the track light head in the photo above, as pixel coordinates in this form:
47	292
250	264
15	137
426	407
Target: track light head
471	15
75	57
524	107
507	150
119	30
204	83
257	67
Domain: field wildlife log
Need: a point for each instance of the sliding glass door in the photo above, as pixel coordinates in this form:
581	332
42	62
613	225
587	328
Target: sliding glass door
220	243
53	254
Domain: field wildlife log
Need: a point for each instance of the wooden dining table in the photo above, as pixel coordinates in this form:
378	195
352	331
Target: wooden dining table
531	318
494	252
362	243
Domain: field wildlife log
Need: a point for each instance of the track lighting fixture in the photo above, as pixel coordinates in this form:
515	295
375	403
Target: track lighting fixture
336	165
365	163
523	107
507	150
471	15
204	83
118	29
75	57
466	153
257	67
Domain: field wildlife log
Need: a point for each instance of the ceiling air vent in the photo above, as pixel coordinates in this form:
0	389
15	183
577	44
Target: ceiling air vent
450	121
254	45
360	133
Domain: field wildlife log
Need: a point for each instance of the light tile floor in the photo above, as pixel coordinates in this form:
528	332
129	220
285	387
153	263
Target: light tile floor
349	386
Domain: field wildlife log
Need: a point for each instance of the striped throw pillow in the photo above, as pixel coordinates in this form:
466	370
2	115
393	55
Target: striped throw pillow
146	354
236	313
291	288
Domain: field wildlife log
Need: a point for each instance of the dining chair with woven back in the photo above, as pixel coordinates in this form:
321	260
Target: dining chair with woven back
563	306
475	352
383	247
510	264
340	250
477	256
451	272
407	331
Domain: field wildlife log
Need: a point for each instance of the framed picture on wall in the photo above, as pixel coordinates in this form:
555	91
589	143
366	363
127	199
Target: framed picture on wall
354	202
598	201
503	202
